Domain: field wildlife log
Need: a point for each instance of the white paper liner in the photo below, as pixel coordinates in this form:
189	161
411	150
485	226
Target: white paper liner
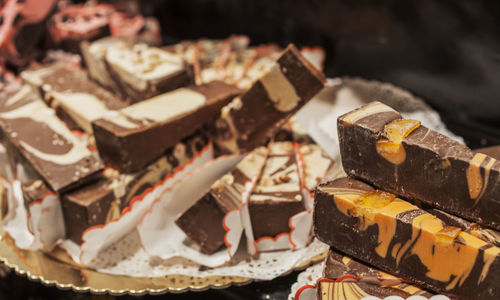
128	257
159	234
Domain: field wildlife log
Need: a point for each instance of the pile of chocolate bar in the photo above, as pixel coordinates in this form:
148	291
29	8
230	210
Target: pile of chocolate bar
98	136
416	204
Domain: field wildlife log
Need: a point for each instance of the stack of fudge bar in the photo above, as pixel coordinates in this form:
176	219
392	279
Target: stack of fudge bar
270	180
100	136
415	204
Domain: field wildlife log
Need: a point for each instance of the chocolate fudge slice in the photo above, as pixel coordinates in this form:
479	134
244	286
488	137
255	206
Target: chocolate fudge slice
136	135
406	158
203	221
76	99
396	236
135	71
104	200
253	119
338	266
39	140
277	195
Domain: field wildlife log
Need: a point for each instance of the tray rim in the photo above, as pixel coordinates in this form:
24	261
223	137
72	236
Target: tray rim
213	282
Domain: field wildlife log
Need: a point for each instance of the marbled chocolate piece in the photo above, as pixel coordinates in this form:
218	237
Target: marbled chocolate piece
348	290
103	201
278	194
317	166
337	266
203	222
253	119
378	228
140	133
32	130
135	71
76	99
406	158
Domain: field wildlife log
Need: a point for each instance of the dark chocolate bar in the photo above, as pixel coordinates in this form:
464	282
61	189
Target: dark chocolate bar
277	195
338	266
392	234
408	159
251	120
203	222
103	201
140	133
33	133
135	71
76	99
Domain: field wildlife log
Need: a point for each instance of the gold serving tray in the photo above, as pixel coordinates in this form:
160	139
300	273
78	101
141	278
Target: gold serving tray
58	269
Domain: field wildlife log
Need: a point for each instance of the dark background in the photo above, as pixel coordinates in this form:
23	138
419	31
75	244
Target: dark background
447	52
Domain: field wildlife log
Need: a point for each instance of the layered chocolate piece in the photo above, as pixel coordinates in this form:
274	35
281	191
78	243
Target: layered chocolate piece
277	195
203	221
136	135
398	237
352	290
403	157
39	141
76	23
104	200
340	267
135	71
76	99
253	119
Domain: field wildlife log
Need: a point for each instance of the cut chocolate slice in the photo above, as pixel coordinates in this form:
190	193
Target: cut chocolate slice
406	158
278	194
76	99
203	222
398	237
32	130
135	71
338	266
140	133
348	290
103	201
251	120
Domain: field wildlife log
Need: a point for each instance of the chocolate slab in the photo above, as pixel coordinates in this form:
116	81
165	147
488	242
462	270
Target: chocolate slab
338	266
251	120
203	221
34	132
398	237
135	71
408	159
102	201
317	166
140	133
277	195
76	99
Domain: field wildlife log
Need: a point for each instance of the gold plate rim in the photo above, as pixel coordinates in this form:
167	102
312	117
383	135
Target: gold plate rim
20	260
